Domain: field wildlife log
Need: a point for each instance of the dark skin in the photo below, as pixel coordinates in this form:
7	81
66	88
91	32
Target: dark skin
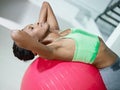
43	38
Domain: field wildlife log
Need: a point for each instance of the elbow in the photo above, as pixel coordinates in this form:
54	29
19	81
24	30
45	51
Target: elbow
49	56
45	3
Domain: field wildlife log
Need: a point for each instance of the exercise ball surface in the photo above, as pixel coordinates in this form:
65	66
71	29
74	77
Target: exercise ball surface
45	74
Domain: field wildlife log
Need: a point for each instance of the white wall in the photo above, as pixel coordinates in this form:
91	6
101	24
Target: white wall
114	40
11	69
94	6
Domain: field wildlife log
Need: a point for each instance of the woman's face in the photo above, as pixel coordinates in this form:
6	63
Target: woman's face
36	30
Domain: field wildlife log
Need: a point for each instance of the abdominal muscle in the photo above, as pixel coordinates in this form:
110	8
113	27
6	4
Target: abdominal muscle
105	56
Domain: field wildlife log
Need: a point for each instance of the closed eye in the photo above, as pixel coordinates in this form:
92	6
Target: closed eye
37	23
32	28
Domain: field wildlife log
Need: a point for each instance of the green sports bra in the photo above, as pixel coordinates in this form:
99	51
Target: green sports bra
86	45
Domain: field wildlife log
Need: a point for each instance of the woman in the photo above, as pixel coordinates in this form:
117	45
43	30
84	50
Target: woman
44	39
45	12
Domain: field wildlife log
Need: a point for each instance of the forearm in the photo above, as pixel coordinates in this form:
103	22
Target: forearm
24	40
47	15
43	14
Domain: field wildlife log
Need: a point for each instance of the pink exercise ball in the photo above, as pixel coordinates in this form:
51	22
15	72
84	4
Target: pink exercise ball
45	74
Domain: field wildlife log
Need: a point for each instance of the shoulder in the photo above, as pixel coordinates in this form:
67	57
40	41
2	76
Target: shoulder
65	32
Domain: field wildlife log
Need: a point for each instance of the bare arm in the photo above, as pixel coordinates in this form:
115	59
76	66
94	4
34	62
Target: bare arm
24	40
47	15
62	49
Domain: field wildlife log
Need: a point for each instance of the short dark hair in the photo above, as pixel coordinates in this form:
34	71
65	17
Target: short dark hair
22	54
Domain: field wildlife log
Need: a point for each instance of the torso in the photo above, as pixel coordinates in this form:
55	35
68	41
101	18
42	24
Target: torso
104	58
66	45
